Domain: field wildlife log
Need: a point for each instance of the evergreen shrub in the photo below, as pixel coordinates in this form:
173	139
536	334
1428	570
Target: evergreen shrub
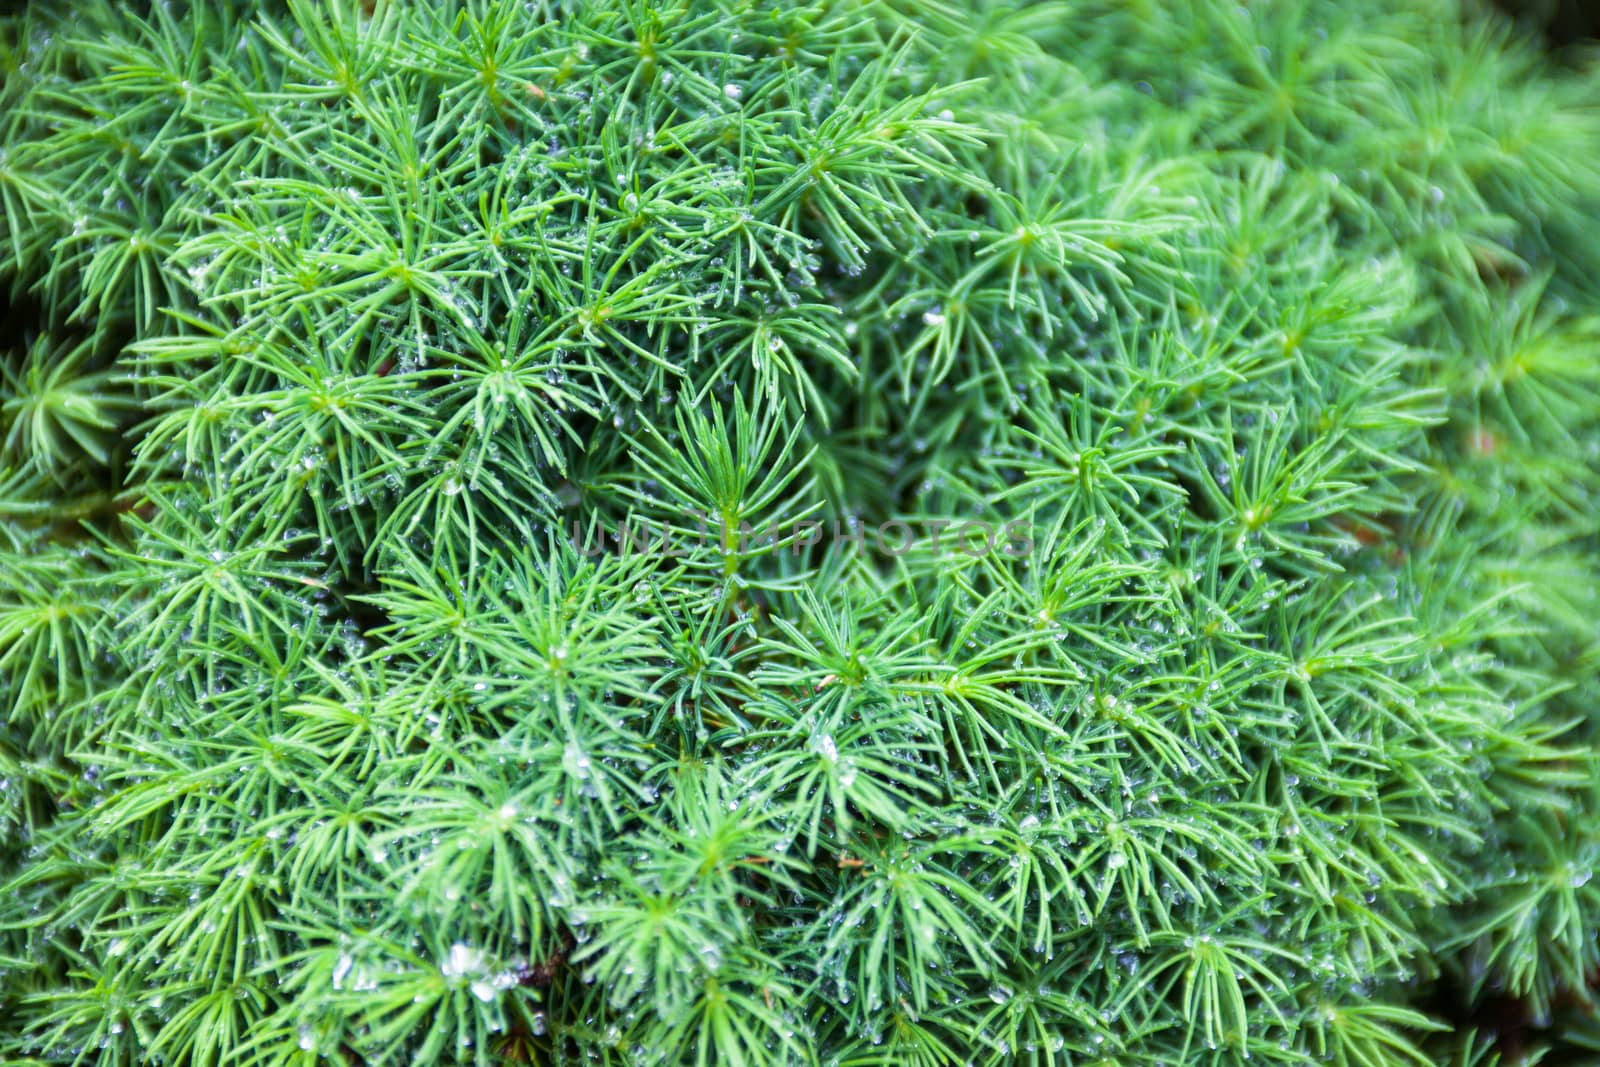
839	532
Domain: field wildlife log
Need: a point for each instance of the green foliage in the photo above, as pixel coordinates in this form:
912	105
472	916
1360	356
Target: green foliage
412	649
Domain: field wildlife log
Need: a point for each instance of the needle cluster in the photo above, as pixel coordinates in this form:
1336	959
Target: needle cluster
342	723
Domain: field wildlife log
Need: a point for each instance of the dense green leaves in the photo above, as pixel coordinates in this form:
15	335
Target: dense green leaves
851	532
